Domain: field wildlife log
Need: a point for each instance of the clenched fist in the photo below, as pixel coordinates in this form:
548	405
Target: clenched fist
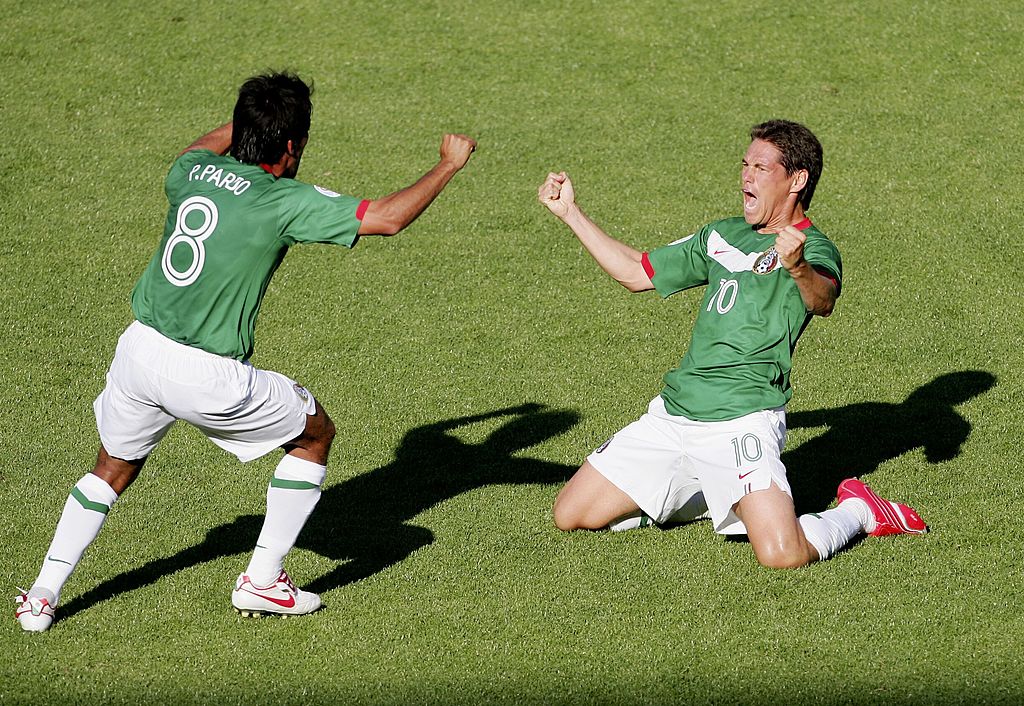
557	194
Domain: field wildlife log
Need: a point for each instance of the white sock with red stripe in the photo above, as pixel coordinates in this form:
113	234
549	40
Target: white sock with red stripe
83	516
831	530
293	493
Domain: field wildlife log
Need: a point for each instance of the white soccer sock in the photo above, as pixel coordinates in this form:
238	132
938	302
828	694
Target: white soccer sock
831	530
293	493
84	513
860	508
695	508
640	519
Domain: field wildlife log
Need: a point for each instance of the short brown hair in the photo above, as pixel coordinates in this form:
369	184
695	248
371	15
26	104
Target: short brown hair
800	150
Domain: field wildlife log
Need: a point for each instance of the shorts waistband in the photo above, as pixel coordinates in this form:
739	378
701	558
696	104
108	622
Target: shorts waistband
137	328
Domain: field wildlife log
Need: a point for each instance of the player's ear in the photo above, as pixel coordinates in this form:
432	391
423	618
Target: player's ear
798	181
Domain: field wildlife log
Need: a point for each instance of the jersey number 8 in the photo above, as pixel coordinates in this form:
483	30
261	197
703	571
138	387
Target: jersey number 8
192	237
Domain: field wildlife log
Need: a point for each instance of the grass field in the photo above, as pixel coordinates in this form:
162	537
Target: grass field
473	361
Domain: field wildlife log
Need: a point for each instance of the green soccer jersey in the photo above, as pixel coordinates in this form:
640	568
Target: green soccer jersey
228	228
751	315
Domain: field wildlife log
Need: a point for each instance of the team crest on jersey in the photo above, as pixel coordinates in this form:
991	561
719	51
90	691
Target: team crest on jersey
302	392
327	192
766	262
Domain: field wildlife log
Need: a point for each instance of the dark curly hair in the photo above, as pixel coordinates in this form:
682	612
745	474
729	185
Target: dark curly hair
271	109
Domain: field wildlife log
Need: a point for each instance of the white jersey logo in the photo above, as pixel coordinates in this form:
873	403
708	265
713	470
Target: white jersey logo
327	192
682	240
735	260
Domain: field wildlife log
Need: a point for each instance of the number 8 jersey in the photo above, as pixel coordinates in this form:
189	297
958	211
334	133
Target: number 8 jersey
751	315
228	227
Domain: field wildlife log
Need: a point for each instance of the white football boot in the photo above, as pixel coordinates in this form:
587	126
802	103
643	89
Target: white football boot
35	614
279	598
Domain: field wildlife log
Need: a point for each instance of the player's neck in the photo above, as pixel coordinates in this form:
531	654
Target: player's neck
788	217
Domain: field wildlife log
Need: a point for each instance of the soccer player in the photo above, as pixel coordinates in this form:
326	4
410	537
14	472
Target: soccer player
235	209
709	445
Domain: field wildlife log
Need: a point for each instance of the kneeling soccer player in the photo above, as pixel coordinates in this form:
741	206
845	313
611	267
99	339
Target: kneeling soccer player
709	445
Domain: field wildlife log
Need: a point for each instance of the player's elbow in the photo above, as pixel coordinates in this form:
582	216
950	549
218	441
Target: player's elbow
825	308
635	286
386	227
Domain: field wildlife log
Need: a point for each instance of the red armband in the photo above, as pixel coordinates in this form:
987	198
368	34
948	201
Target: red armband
648	267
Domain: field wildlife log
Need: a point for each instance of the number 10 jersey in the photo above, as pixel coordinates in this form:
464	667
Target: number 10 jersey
750	317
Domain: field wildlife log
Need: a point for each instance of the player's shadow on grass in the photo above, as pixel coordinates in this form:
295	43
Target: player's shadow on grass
860	437
364	523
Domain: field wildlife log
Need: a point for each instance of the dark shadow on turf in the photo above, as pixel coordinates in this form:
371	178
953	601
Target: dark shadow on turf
860	437
363	523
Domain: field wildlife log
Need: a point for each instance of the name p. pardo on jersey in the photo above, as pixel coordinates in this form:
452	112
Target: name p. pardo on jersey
218	177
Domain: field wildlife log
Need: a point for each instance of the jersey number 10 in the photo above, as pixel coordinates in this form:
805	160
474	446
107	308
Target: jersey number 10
725	297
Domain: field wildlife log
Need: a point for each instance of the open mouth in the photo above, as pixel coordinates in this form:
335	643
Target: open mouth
749	201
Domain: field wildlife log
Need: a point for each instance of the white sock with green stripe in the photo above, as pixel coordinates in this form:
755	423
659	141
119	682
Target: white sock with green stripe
638	519
84	513
831	530
293	493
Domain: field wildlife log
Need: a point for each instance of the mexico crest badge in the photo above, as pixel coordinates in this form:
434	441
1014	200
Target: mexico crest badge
766	262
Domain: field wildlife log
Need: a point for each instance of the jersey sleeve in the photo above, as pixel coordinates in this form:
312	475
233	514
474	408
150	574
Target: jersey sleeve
823	255
318	215
678	265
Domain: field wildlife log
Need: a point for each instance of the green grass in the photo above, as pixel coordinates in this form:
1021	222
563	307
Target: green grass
443	577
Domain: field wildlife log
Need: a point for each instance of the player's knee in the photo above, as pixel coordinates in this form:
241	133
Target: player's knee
319	434
779	556
329	431
320	429
563	519
567	516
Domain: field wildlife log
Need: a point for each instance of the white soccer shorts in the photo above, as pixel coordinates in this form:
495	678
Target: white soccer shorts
153	381
662	461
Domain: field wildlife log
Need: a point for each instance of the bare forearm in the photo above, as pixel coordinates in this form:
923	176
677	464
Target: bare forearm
616	258
394	212
217	140
817	291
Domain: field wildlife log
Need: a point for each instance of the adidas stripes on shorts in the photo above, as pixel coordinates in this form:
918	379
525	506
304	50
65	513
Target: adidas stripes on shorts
662	460
153	381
